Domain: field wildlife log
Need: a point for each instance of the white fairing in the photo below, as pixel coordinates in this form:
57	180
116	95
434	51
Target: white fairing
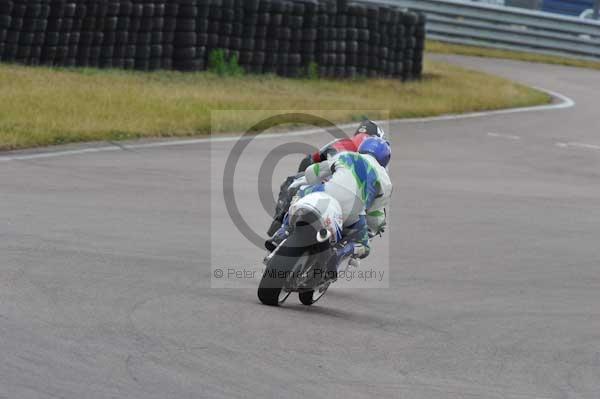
327	207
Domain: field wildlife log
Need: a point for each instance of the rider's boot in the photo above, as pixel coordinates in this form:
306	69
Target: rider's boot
277	238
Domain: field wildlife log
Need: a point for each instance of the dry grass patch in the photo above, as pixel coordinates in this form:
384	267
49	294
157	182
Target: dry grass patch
42	106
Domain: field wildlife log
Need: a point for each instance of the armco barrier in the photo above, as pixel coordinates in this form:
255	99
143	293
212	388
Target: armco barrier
467	22
267	36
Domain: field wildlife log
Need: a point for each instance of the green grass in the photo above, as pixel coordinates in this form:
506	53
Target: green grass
41	106
447	48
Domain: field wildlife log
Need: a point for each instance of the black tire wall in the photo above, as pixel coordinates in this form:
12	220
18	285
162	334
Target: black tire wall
342	39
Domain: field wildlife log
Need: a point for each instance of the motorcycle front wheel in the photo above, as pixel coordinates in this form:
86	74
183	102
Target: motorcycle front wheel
280	272
311	297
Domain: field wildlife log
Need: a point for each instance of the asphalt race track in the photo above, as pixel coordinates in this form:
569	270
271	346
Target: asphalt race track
494	276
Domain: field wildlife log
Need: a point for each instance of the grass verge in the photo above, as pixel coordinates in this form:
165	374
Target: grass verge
42	106
448	48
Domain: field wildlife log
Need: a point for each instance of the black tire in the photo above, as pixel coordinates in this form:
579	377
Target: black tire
276	20
170	24
309	298
261	31
284	33
238	14
237	29
410	18
144	39
23	52
352	59
202	25
295	59
216	13
251	5
166	63
16	24
142	65
225	29
105	63
156	51
142	52
277	272
260	45
187	11
122	38
146	24
129	63
227	15
184	53
185	39
110	24
214	27
171	9
271	58
5	21
296	21
284	47
26	39
6	7
309	34
290	260
154	64
120	51
249	31
213	40
263	19
235	43
189	65
248	44
223	42
109	38
258	58
351	21
167	51
19	10
52	39
130	52
107	52
33	10
186	25
202	39
245	57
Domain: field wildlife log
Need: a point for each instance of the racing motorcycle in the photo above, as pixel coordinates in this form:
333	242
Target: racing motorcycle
300	262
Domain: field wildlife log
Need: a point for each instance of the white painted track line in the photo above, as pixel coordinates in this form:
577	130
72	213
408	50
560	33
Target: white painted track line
579	145
504	136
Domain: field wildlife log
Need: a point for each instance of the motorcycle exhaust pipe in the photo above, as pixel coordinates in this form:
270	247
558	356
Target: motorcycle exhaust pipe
323	235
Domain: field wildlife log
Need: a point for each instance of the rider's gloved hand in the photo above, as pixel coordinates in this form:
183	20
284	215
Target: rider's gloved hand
301	181
344	250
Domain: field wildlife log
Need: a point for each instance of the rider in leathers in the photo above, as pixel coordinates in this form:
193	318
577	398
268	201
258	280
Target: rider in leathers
360	183
366	129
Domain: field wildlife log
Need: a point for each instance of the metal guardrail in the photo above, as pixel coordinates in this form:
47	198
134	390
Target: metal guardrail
509	28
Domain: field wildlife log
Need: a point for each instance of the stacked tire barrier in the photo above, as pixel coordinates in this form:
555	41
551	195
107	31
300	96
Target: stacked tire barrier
284	37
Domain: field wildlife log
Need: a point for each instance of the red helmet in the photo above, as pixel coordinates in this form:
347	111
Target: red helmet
358	139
